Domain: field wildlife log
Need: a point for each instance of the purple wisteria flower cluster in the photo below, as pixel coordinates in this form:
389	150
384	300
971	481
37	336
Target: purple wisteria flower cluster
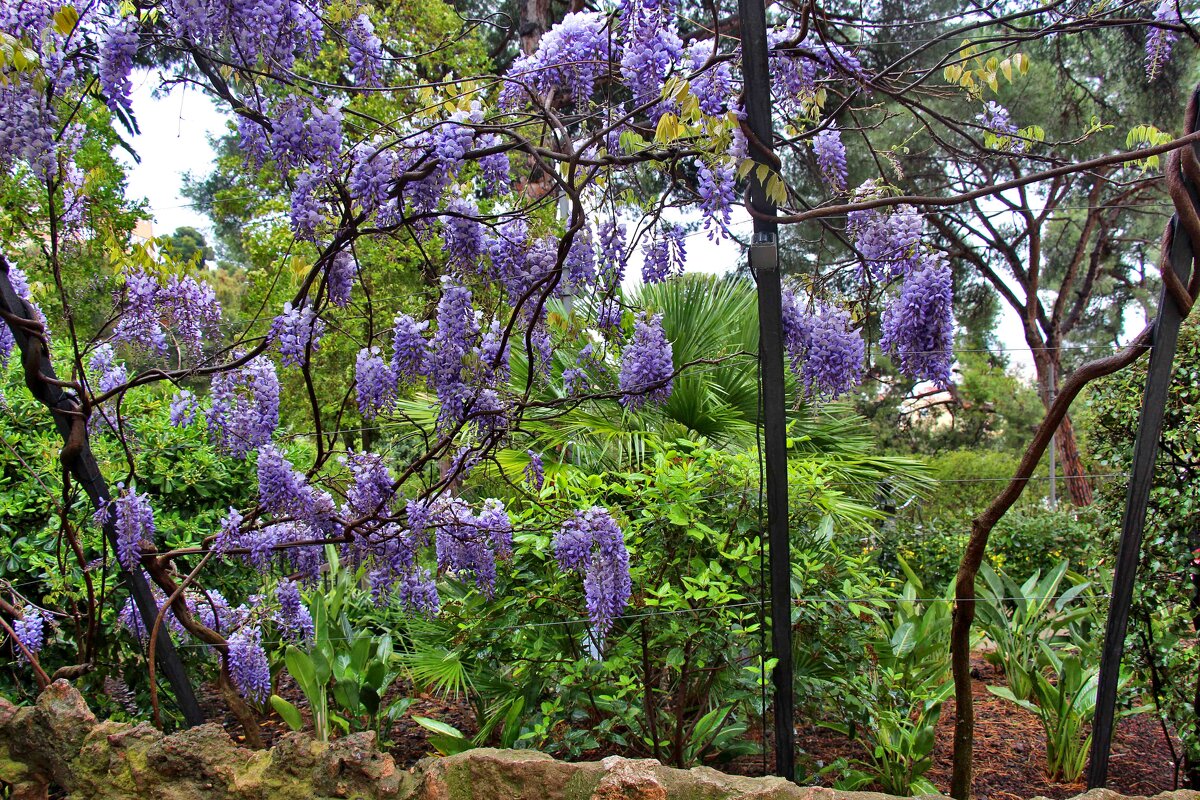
591	544
30	630
1160	40
665	254
827	354
133	520
296	330
156	313
647	367
245	407
918	327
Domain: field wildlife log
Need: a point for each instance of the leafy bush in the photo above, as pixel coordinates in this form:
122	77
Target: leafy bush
1023	619
893	708
1064	705
1165	617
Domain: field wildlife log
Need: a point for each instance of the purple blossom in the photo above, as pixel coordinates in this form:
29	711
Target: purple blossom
186	307
468	545
611	261
306	133
535	472
296	329
245	407
409	348
996	121
183	409
365	51
571	57
646	364
372	176
30	631
826	353
591	544
494	355
494	167
579	267
375	381
117	49
103	364
418	593
284	492
294	618
466	243
665	256
249	668
831	158
1159	40
372	488
651	46
7	343
715	186
714	86
918	326
307	208
888	243
340	278
133	519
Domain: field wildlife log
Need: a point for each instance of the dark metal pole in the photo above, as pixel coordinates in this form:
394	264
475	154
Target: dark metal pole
1145	452
764	262
65	410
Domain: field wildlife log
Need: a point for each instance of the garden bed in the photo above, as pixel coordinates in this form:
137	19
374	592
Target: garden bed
1009	745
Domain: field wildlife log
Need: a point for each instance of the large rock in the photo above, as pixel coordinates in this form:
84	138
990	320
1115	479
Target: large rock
58	745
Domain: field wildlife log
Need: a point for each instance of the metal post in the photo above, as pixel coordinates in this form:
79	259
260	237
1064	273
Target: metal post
764	263
64	408
1137	498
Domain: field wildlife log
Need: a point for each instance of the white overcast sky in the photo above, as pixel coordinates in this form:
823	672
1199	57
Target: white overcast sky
175	133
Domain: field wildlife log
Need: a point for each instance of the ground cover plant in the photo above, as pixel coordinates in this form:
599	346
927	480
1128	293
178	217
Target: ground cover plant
420	431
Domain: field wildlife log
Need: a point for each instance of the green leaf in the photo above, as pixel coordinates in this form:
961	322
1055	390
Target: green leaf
301	668
288	712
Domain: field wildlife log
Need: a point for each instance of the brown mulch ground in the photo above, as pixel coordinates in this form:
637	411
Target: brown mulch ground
1009	744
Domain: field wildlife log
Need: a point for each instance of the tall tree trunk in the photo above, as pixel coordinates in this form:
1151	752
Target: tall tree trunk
1066	445
1078	486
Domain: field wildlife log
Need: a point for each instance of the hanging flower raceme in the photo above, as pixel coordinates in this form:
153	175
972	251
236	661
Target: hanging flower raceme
591	544
30	631
570	58
365	50
293	617
133	519
665	255
296	330
249	669
918	326
117	49
646	364
245	407
375	382
996	121
468	545
150	307
889	243
1159	40
831	158
827	354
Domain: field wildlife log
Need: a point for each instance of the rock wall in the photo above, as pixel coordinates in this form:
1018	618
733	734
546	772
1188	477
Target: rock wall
58	747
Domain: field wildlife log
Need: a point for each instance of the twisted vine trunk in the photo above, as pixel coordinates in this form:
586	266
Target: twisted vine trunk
69	416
